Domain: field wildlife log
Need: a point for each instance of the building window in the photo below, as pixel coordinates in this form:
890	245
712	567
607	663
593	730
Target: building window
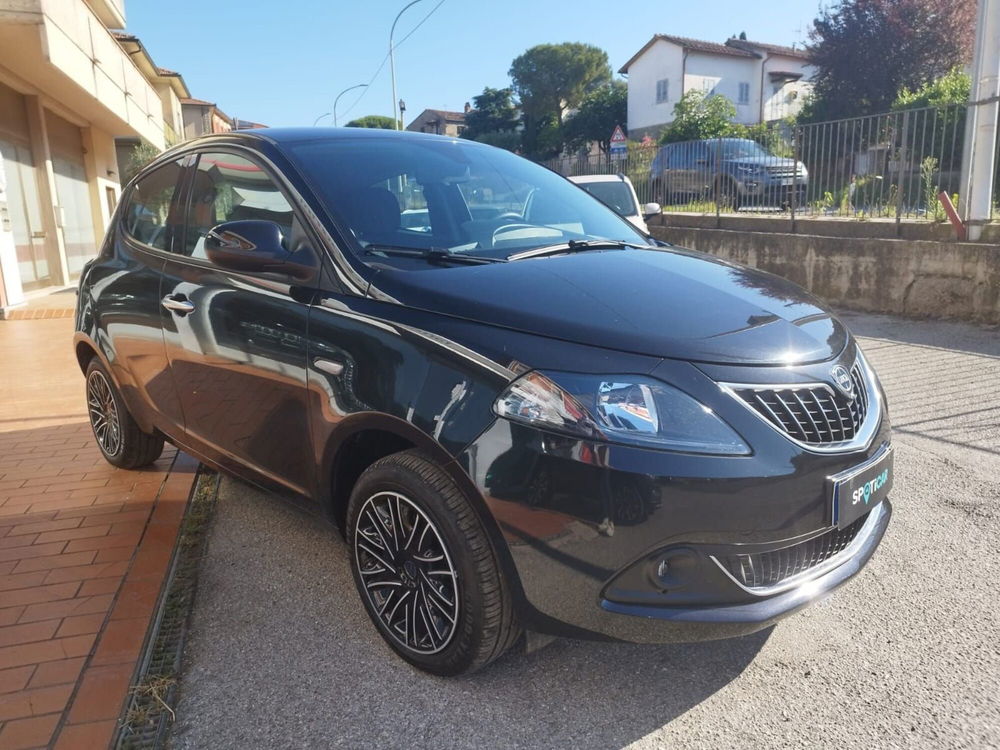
662	91
744	94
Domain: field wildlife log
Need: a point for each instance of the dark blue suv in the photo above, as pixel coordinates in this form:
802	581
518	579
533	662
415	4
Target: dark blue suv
734	171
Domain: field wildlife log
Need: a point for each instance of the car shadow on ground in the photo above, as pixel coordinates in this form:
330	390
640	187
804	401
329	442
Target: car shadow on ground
282	654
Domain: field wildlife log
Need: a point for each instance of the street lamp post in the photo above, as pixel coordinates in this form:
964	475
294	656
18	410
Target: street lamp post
392	63
349	88
316	121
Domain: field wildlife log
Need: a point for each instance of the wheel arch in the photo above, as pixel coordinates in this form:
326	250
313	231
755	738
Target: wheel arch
362	439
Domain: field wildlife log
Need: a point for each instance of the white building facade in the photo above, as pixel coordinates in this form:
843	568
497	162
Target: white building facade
68	88
765	82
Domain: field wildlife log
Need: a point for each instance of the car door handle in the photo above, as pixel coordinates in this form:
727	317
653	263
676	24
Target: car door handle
177	303
325	365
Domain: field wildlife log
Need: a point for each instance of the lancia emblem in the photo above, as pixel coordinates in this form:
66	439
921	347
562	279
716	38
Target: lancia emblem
843	380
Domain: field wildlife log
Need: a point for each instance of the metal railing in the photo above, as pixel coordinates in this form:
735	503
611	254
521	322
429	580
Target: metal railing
889	166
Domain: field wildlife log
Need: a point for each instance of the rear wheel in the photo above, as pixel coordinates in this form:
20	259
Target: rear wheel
425	569
728	195
118	437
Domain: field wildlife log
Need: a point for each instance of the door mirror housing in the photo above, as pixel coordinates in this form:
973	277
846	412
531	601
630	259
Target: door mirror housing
257	247
651	209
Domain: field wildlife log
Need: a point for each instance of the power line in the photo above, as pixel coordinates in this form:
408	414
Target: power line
386	59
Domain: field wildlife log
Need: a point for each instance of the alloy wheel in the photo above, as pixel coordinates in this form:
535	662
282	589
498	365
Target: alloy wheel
407	572
104	415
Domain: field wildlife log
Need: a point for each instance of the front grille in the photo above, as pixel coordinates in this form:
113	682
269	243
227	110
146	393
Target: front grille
762	570
812	414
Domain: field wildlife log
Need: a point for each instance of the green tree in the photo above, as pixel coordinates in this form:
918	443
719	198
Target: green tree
506	139
597	116
954	87
141	154
550	79
867	51
493	112
380	122
698	116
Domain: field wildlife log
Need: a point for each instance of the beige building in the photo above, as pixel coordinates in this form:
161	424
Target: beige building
69	86
439	122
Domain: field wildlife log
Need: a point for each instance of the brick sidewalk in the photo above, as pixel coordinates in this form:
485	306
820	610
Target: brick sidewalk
84	549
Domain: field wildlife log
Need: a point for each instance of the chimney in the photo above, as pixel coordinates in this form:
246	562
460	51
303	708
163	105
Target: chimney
468	108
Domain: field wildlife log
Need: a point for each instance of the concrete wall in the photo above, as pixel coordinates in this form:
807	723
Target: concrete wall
919	278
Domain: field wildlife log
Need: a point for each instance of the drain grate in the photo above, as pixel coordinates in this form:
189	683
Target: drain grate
149	710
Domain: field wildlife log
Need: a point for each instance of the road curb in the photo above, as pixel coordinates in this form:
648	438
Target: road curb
149	709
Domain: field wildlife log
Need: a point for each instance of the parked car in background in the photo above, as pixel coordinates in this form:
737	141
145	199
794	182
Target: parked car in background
479	395
734	171
617	193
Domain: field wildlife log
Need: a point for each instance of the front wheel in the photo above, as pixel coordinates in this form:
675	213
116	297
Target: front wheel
119	438
425	569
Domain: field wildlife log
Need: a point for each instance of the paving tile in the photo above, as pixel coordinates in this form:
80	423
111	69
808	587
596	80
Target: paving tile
37	594
121	641
22	580
81	625
94	734
128	539
26	733
102	693
90	605
100	586
23	540
37	550
28	632
34	702
52	562
44	526
10	615
83	572
68	534
16	678
137	598
62	672
36	653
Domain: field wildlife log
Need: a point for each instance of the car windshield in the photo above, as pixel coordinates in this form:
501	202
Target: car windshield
615	195
443	194
742	149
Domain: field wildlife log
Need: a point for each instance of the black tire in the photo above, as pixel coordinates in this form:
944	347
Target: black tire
116	433
483	625
728	195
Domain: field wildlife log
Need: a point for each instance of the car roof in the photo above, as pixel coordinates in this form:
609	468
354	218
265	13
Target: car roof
585	178
299	135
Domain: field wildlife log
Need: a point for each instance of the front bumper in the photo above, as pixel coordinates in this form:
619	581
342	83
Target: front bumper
579	517
651	624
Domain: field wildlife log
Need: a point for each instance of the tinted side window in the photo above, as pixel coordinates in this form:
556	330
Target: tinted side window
227	187
152	215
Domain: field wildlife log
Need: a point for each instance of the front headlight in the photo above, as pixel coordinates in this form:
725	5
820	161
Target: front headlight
626	409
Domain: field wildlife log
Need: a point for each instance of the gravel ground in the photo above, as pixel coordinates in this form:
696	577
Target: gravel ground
906	655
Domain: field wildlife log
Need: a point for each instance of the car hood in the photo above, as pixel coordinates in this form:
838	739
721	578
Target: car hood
658	302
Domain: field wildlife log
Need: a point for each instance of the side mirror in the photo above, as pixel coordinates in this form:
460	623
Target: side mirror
256	246
651	209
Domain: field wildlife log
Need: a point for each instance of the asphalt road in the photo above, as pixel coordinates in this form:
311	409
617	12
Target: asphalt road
906	655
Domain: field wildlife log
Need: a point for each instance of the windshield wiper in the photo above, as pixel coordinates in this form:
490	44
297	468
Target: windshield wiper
433	254
575	246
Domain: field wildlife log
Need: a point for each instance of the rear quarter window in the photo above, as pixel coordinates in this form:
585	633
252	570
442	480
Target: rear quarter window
152	215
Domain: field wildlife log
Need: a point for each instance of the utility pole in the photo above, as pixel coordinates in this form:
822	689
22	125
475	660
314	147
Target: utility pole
979	150
392	65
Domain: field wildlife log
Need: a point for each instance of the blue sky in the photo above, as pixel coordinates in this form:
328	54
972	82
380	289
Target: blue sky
282	63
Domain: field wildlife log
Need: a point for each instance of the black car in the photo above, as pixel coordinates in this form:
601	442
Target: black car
525	416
